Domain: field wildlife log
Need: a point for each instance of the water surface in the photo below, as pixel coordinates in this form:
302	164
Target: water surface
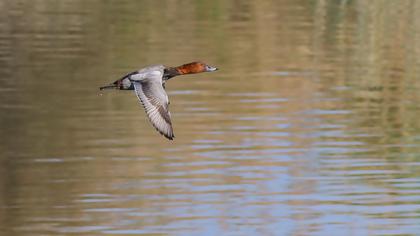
310	127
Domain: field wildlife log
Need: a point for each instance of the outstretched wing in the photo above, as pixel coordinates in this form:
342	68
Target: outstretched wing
155	101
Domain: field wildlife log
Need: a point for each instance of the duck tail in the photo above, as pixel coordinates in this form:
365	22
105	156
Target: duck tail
110	86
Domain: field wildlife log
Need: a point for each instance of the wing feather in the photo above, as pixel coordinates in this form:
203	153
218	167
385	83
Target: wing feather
155	102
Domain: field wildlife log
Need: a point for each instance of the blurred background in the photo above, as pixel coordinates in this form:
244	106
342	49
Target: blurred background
310	126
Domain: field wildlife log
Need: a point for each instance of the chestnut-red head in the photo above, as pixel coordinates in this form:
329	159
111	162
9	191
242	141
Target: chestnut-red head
195	67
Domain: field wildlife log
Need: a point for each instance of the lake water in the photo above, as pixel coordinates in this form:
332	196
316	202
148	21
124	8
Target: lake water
310	127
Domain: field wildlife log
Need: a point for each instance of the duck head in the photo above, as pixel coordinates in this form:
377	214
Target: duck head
195	67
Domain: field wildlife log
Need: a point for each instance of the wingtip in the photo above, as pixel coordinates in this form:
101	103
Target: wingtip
170	137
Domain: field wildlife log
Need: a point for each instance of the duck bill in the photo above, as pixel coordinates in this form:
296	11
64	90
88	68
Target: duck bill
211	69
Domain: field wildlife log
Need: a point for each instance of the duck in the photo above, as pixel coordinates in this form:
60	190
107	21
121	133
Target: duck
148	84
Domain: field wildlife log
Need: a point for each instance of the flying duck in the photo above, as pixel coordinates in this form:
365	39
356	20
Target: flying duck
149	86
